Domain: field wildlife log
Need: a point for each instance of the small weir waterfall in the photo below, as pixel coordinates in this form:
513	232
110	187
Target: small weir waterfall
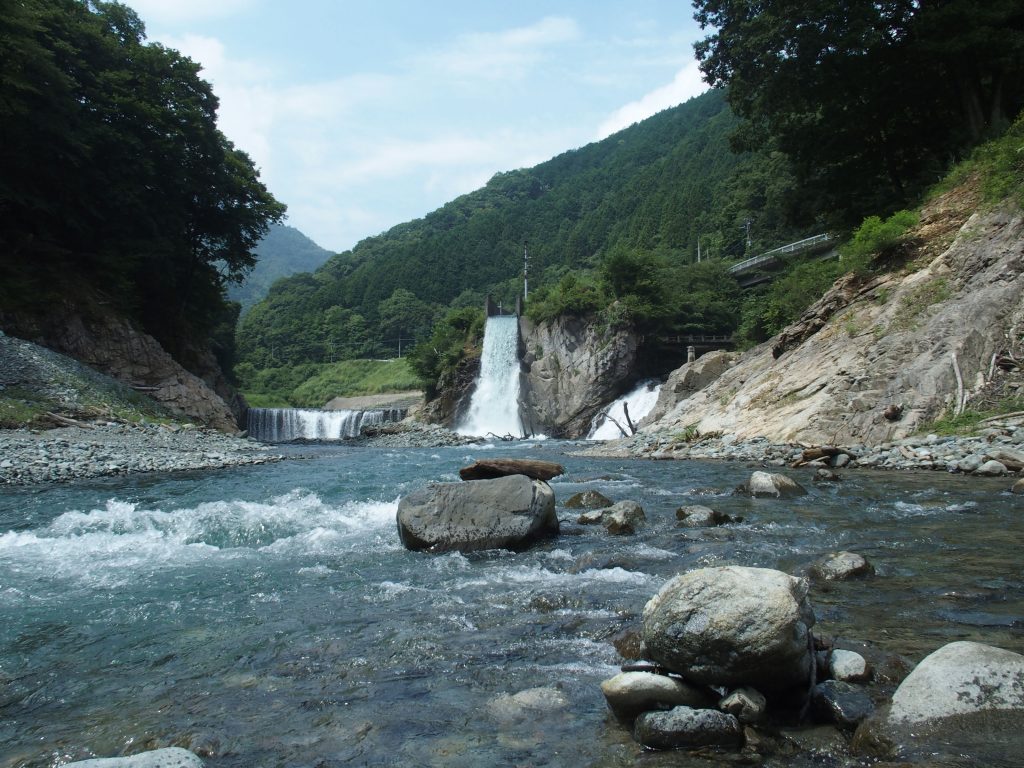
640	402
280	425
494	407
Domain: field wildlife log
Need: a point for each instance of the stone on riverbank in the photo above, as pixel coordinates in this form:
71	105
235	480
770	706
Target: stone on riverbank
991	468
848	666
506	513
771	484
733	626
491	469
172	757
841	566
687	727
630	694
1010	458
1018	487
745	704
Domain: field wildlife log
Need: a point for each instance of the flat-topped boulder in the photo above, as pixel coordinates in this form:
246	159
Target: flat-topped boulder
505	513
490	469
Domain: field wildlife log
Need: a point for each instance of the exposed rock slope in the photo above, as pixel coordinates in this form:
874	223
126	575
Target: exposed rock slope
573	369
894	340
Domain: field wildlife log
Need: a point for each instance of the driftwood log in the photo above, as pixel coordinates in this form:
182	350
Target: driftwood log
492	468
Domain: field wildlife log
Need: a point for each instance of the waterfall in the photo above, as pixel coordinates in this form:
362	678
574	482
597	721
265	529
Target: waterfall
279	425
640	401
494	407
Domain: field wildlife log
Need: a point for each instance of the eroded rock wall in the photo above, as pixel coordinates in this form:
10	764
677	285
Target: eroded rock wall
113	346
894	340
573	367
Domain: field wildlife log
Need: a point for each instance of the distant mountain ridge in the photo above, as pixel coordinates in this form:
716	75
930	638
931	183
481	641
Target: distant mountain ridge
283	252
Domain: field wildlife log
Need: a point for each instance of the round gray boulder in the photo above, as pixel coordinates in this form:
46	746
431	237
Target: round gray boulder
507	513
588	500
733	626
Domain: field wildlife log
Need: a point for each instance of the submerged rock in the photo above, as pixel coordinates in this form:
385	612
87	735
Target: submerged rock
960	678
771	484
842	704
630	694
172	757
687	727
622	519
588	500
842	566
699	516
530	703
733	626
1018	487
507	513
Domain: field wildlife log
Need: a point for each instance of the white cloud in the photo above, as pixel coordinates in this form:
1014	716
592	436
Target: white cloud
187	11
686	84
507	54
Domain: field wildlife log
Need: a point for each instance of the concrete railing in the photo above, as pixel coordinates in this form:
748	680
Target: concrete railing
771	256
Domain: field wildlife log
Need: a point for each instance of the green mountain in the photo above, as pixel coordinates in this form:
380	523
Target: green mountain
652	189
282	252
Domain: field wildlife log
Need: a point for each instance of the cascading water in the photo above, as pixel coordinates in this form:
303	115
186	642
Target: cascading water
494	407
640	402
279	425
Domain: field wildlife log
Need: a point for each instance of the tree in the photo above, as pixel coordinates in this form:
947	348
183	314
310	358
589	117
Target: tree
870	100
113	175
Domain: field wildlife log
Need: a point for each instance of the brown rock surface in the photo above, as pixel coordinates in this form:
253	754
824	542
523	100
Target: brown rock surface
492	468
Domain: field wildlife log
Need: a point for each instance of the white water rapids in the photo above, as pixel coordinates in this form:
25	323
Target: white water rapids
494	406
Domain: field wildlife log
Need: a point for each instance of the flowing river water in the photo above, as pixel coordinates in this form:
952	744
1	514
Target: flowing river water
268	616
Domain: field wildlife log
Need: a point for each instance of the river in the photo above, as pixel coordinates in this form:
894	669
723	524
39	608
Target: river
268	616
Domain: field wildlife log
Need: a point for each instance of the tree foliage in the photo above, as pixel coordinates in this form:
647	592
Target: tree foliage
113	174
869	100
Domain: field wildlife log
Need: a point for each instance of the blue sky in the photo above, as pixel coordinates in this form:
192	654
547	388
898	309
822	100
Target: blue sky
363	115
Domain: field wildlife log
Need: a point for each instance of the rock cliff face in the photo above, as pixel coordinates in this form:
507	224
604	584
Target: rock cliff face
875	359
573	368
113	346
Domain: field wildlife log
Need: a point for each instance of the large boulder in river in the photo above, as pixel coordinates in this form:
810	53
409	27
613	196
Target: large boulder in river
733	626
506	513
963	704
960	678
492	468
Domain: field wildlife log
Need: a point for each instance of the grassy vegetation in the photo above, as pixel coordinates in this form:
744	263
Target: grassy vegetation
970	421
999	164
20	408
311	385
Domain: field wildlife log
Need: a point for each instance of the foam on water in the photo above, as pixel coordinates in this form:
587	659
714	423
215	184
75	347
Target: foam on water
110	546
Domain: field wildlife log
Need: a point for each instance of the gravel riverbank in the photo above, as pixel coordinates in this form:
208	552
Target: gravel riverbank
73	453
997	450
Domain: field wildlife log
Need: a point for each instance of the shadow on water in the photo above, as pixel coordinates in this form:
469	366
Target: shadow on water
268	615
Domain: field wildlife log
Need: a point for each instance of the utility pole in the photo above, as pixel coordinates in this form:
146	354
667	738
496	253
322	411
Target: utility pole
746	226
526	269
698	249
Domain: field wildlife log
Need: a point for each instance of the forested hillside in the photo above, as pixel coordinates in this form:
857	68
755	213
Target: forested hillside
282	252
650	191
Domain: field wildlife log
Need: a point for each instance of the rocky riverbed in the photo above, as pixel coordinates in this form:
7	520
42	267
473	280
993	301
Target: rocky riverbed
997	450
111	448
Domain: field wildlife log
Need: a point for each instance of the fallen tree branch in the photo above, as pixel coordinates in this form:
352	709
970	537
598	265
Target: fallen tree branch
66	422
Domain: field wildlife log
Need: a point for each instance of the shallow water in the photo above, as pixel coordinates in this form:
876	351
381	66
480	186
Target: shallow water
267	616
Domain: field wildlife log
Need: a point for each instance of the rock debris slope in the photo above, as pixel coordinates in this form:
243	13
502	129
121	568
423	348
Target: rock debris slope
913	341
